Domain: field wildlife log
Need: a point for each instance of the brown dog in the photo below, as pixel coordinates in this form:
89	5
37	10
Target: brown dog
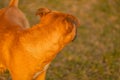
27	53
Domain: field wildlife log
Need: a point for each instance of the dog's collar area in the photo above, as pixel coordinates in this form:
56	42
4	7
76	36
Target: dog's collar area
39	72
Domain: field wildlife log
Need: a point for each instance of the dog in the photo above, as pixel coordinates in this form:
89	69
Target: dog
28	52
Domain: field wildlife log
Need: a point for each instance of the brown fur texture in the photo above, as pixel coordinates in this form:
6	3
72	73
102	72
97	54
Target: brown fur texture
10	16
25	52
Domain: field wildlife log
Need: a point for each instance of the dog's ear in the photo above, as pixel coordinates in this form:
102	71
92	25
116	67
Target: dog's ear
43	11
73	20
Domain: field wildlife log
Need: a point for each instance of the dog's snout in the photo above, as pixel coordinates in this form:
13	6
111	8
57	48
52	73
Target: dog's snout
73	20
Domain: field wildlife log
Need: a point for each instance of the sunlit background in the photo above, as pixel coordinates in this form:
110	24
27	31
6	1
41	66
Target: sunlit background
95	54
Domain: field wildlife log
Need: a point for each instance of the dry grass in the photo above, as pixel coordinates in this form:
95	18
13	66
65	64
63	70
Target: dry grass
95	54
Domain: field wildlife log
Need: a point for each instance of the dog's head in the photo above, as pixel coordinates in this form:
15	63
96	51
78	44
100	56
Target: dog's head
45	12
65	22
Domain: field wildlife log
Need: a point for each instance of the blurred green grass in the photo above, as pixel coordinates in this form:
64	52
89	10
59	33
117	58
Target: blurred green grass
95	54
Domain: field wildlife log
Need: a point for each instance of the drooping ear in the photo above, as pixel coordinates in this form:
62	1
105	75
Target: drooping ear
43	11
73	20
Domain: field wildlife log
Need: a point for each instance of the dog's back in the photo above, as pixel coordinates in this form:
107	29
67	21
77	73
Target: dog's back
12	16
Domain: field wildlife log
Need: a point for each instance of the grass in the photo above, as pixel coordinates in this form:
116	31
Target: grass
95	54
